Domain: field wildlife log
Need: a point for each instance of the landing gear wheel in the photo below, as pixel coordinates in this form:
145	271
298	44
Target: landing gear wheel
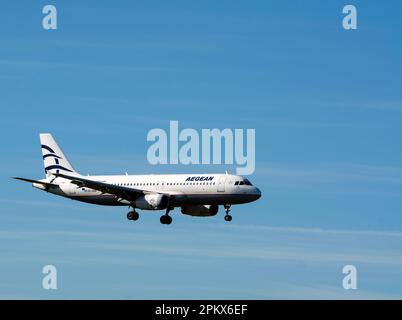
133	215
228	217
165	219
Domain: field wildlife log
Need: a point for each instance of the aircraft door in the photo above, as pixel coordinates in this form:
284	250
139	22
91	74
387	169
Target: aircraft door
221	183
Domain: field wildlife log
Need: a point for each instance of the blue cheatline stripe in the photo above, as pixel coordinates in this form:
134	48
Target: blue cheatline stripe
56	166
47	148
51	155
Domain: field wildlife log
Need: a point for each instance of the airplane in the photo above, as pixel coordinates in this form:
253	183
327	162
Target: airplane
197	195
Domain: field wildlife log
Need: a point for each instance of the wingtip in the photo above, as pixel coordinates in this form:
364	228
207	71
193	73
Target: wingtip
21	179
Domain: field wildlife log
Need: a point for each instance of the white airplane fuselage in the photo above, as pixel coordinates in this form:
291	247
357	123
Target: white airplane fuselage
184	189
197	194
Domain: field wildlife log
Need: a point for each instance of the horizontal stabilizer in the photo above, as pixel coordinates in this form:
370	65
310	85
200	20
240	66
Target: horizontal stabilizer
36	181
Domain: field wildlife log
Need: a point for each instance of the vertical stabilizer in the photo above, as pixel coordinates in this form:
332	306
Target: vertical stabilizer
54	159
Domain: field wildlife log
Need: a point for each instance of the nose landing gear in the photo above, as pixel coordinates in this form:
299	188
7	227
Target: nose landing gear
228	217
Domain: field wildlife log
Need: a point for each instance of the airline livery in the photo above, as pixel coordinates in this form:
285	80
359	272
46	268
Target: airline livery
196	194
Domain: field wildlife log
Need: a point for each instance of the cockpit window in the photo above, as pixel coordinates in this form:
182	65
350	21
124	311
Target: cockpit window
244	182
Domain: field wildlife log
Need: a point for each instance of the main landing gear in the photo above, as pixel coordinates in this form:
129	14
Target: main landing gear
166	219
228	217
133	215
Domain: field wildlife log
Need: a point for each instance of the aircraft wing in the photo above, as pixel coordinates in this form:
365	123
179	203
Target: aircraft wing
130	194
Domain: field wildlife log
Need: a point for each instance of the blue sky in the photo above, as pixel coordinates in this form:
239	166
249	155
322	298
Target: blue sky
326	104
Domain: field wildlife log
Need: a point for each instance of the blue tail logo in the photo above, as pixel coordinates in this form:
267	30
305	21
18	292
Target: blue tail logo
56	158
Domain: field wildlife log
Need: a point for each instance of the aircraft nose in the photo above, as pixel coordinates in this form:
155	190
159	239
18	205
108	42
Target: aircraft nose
257	193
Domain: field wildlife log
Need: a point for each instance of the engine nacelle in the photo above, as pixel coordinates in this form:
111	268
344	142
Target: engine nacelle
152	201
200	210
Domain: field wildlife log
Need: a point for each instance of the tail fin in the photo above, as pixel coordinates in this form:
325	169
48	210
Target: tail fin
54	159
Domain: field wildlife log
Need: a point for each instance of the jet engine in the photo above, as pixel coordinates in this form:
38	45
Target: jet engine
200	210
152	201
